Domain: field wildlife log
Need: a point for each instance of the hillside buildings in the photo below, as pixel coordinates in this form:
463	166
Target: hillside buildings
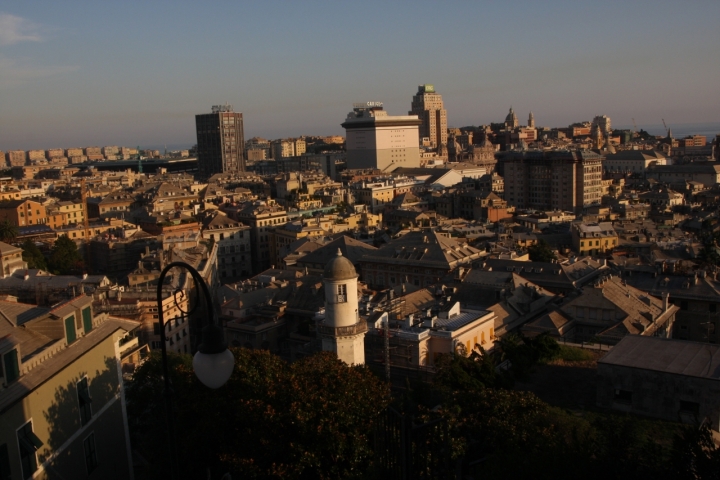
220	141
376	140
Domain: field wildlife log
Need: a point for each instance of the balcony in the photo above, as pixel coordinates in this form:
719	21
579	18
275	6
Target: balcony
328	331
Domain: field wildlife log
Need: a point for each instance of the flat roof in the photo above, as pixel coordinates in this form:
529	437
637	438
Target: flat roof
680	357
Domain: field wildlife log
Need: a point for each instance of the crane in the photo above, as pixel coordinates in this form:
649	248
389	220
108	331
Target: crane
667	130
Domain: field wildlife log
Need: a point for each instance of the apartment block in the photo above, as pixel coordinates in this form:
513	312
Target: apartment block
556	180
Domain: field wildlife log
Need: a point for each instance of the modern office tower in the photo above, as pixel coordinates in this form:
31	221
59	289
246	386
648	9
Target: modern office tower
428	106
557	180
220	141
379	141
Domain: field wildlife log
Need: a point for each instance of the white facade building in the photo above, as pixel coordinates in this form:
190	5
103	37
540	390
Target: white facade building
379	141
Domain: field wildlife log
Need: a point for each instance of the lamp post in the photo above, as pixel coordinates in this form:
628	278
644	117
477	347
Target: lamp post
213	363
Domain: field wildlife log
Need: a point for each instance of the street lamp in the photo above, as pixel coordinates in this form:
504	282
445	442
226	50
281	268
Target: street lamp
213	363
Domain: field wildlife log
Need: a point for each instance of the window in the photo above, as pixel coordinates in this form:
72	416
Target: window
90	455
4	462
87	319
156	328
623	396
83	393
12	368
70	334
29	444
342	293
713	308
689	407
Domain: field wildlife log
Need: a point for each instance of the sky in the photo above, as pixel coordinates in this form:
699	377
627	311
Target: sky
129	73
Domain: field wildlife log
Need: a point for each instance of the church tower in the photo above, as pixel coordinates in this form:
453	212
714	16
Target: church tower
511	120
342	330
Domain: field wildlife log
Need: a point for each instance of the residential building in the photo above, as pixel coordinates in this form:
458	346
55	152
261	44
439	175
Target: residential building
234	256
63	404
427	104
262	218
675	380
633	161
607	312
376	140
220	141
555	180
707	173
419	257
23	212
593	238
10	259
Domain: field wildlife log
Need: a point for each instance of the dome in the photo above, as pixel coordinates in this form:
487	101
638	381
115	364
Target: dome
339	268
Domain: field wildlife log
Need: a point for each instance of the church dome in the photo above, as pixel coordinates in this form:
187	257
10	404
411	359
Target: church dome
339	268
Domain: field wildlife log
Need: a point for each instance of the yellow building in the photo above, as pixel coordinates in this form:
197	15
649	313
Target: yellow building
62	405
593	238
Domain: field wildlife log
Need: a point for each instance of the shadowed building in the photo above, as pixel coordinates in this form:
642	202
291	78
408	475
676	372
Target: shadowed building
220	141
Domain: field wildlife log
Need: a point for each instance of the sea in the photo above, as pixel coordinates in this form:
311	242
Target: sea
680	130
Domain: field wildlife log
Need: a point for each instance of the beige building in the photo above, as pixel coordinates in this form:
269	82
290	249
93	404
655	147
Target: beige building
428	106
376	140
62	405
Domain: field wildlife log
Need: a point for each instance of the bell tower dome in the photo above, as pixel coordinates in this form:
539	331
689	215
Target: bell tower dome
342	330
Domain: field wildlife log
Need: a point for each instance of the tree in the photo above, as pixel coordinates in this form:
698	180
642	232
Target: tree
33	256
8	231
541	252
65	258
309	419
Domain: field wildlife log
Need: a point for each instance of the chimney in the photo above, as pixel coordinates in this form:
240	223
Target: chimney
666	301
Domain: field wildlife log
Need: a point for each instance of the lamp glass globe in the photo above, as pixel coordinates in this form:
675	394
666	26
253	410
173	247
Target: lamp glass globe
214	370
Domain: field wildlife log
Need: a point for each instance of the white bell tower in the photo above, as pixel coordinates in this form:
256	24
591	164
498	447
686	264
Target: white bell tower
342	331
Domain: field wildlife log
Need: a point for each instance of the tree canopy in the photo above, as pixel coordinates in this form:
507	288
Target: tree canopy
541	252
33	256
308	419
8	231
65	258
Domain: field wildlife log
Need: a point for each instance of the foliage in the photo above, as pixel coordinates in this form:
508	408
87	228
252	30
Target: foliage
573	354
65	258
33	256
541	252
8	231
309	419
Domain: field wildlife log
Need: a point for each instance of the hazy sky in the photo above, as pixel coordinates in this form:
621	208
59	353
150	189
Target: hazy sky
135	73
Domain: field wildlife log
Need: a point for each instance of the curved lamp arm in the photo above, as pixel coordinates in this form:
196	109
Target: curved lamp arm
213	363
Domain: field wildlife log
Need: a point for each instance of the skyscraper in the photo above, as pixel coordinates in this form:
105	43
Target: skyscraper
428	106
220	141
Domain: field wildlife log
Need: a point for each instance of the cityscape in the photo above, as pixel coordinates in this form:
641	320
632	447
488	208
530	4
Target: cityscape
398	289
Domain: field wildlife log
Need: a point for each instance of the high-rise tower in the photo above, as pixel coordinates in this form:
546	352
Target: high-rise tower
220	141
531	120
428	106
342	331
